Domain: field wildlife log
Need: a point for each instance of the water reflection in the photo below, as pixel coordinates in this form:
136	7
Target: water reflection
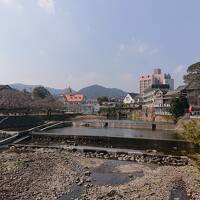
116	132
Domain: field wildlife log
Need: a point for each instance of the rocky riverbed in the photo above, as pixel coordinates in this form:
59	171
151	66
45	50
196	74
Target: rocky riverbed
59	174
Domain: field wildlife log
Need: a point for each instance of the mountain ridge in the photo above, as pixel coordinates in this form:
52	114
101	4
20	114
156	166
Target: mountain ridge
92	91
96	90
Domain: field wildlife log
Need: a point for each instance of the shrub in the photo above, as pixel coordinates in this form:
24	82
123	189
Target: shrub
192	131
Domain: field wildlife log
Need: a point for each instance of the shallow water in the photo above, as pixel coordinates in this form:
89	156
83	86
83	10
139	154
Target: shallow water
105	174
168	142
116	132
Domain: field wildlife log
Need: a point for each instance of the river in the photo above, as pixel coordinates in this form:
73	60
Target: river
168	142
117	132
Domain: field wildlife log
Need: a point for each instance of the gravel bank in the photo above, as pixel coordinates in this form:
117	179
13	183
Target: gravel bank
54	174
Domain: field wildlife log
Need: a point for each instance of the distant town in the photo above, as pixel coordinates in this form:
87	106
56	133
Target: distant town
153	103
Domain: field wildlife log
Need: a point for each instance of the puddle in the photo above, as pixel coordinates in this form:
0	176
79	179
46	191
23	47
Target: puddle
73	193
178	191
106	175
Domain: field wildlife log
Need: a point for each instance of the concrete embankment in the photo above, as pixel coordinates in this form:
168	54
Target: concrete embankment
24	135
168	146
18	122
128	124
57	125
30	121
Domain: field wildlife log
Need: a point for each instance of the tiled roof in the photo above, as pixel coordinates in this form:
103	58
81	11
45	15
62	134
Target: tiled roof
133	95
2	87
163	87
181	87
77	98
193	85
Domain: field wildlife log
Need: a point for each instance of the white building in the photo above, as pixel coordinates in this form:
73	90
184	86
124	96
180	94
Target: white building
129	98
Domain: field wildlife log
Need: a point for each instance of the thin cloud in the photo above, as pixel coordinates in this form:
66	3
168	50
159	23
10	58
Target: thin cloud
7	2
180	69
126	77
42	52
80	79
137	47
47	5
12	3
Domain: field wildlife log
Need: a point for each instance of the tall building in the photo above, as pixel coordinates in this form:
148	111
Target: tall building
156	78
169	81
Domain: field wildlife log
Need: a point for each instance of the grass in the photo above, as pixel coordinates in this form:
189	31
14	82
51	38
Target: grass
196	158
192	131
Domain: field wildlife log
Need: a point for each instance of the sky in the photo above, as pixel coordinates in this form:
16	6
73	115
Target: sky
57	43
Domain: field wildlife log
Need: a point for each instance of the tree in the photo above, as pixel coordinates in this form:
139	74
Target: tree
178	107
193	73
102	99
40	92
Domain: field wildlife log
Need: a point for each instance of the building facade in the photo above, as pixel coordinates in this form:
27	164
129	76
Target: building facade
193	94
154	103
73	102
155	79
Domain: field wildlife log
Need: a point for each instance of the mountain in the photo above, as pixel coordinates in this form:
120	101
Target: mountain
95	91
92	91
29	88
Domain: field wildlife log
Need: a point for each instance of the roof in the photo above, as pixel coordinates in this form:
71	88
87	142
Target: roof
69	91
162	87
76	98
133	95
164	91
5	87
138	96
172	92
193	85
181	87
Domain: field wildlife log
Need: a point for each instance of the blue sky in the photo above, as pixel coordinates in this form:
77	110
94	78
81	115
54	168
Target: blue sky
107	42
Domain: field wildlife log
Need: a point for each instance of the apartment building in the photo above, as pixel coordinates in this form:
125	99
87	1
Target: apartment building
155	79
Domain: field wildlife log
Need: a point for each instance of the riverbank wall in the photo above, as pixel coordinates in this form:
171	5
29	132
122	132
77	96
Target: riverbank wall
29	121
178	147
127	124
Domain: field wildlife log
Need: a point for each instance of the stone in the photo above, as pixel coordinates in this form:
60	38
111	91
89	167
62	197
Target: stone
112	193
87	173
88	180
80	183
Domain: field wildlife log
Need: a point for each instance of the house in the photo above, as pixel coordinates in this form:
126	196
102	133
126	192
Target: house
90	106
73	101
153	92
161	104
74	98
154	101
193	95
130	98
5	87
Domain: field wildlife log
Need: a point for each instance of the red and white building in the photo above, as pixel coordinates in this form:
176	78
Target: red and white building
73	101
74	98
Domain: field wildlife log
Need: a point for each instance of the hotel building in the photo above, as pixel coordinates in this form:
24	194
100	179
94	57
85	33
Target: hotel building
155	79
